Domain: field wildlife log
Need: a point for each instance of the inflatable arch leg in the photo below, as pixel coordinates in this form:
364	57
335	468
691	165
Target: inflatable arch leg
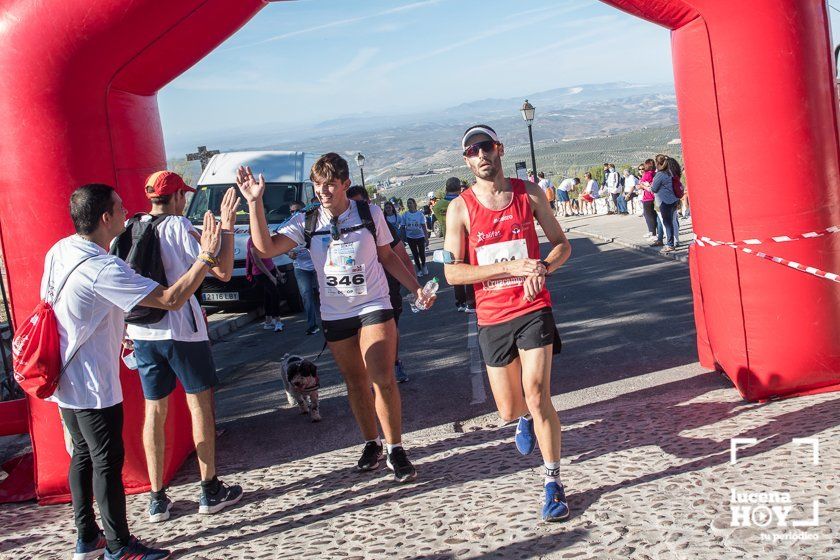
756	104
81	107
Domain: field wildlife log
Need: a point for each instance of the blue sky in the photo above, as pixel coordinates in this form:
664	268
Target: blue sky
305	61
309	60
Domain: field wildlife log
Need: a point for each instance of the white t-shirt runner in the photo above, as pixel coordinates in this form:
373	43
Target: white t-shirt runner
414	222
350	277
178	251
90	312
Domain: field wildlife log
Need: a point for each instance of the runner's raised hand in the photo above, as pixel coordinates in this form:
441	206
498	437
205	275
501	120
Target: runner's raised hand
230	203
250	187
211	234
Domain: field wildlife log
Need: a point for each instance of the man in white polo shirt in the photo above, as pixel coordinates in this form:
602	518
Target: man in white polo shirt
90	311
356	313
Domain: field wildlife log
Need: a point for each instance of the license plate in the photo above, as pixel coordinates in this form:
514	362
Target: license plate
221	296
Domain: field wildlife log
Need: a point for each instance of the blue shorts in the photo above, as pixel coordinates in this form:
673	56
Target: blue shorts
159	362
562	196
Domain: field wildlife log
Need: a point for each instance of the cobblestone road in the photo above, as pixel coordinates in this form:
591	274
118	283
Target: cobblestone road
646	451
648	476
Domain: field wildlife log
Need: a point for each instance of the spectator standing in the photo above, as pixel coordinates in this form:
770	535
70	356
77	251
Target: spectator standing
307	281
564	200
393	218
648	208
464	294
548	188
685	209
359	194
98	289
663	190
630	195
676	175
611	180
263	273
589	195
429	217
416	235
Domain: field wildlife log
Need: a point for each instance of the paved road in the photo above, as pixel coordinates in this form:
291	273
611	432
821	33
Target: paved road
620	315
646	446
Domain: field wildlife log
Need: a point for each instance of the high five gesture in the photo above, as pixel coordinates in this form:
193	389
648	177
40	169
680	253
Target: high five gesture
252	188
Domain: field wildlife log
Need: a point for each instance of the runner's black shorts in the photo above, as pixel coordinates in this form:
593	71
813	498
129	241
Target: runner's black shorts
346	328
500	344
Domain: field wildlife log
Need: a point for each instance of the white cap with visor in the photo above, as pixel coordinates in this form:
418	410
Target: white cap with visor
475	131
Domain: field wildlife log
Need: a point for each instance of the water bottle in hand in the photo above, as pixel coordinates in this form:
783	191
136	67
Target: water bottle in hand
429	290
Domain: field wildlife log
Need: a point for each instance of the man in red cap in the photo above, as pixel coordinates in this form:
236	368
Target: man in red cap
178	347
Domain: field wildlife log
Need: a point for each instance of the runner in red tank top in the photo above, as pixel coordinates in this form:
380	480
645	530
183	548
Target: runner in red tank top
493	224
498	236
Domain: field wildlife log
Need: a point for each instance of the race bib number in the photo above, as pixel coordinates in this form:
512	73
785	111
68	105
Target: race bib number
345	281
343	276
502	252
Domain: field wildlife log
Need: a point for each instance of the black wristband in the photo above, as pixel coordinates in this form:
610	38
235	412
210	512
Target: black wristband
545	264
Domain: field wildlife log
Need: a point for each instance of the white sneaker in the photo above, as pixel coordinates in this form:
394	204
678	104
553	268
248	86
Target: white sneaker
425	270
278	326
269	325
314	414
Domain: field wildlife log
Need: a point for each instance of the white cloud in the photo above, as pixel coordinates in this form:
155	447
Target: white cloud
515	22
358	63
336	23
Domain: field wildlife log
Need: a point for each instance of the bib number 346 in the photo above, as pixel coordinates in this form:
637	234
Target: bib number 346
345	281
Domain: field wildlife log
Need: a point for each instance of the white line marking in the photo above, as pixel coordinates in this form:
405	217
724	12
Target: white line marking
479	394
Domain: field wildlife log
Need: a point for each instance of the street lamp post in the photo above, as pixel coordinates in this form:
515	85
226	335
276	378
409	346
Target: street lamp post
360	161
528	114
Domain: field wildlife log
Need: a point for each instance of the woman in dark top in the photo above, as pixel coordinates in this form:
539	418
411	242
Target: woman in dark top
667	170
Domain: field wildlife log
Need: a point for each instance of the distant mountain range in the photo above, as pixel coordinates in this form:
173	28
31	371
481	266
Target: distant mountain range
405	144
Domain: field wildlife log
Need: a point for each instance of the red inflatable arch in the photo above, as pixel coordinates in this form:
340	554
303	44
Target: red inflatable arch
757	115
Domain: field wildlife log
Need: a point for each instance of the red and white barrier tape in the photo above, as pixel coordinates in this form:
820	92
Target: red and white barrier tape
779	239
744	246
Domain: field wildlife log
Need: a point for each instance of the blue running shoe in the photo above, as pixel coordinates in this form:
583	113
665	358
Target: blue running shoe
135	550
90	550
555	507
226	496
525	438
159	509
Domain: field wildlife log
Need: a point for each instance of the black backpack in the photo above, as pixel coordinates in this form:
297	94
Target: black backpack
311	223
139	247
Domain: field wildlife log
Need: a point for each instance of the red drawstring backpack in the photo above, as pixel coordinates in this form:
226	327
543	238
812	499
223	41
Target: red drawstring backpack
36	349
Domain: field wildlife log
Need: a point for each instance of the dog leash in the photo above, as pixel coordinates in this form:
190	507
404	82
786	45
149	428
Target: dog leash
324	347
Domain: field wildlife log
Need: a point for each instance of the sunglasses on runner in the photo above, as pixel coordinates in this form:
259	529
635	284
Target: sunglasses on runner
334	231
488	146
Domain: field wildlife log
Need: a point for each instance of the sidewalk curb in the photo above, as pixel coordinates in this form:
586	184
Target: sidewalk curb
220	329
629	245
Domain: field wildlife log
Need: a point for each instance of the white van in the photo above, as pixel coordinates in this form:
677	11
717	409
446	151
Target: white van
286	181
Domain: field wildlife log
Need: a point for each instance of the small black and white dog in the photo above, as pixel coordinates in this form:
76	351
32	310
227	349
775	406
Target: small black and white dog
300	381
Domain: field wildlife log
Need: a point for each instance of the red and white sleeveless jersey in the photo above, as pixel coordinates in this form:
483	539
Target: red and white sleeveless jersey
503	235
